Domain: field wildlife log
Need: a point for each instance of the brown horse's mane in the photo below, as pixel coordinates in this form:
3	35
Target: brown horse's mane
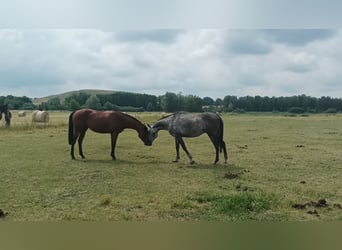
127	115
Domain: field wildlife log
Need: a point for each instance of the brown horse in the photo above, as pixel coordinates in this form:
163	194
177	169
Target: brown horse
102	122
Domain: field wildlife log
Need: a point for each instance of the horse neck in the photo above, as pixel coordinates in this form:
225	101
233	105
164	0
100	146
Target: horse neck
134	124
162	124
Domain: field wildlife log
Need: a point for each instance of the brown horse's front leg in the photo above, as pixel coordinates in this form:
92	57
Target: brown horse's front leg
114	137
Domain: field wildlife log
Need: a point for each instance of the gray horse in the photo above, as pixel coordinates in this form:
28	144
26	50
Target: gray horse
183	124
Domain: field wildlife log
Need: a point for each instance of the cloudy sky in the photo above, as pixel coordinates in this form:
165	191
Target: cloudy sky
203	58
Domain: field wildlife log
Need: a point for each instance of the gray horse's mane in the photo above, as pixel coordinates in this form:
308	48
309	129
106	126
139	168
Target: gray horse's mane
167	116
176	113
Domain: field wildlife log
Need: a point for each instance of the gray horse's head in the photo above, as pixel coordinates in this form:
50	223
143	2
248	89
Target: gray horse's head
153	134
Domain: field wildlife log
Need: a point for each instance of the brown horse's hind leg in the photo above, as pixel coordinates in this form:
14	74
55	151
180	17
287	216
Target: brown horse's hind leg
72	151
80	140
114	137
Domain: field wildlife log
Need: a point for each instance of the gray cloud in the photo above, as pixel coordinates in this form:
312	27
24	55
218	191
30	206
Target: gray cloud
160	36
247	42
204	62
302	62
298	37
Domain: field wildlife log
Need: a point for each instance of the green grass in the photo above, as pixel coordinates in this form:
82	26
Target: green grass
241	206
278	161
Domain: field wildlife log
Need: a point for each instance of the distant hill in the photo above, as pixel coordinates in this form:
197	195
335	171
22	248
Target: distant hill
62	96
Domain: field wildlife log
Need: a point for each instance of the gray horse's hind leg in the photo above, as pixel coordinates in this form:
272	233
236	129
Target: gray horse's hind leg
181	142
223	146
216	144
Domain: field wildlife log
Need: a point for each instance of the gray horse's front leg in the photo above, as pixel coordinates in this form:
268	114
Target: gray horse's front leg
177	151
182	143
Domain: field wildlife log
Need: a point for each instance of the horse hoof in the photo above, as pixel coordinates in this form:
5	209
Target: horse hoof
192	162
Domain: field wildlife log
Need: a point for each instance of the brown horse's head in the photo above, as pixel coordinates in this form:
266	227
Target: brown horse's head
144	136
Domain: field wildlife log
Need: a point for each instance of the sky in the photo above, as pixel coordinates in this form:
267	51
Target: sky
197	55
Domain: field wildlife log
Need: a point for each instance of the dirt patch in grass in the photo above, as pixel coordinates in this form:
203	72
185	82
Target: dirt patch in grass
240	187
242	146
321	203
3	214
337	205
230	176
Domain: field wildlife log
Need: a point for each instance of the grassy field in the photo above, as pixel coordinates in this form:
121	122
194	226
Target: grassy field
280	168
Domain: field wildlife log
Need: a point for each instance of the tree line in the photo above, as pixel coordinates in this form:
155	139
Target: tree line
292	104
172	102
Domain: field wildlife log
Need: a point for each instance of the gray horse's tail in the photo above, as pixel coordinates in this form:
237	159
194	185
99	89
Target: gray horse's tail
71	129
222	143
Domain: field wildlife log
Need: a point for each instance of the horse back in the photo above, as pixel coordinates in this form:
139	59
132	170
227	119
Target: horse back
98	121
194	124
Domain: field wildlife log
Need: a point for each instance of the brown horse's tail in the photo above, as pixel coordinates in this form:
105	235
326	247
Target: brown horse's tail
71	129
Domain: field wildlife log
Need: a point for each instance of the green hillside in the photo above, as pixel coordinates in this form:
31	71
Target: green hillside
62	96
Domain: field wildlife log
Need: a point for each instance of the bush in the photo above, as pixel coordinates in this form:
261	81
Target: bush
311	111
296	110
331	111
128	108
241	111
